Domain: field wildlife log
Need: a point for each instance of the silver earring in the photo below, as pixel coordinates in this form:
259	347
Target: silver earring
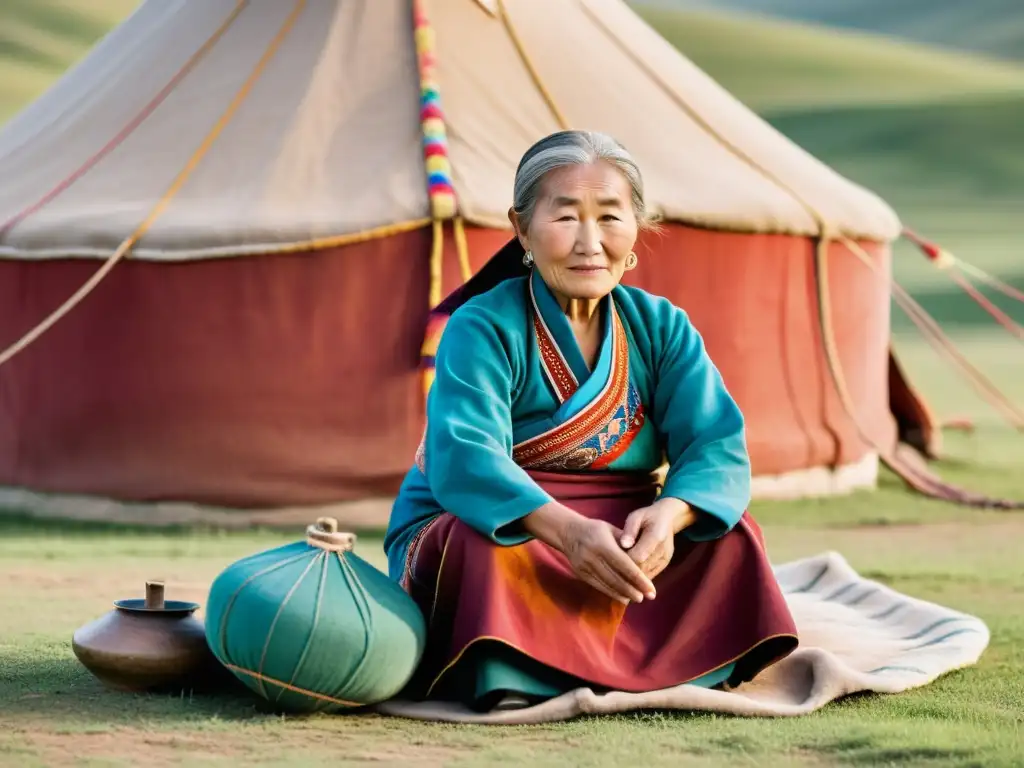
528	259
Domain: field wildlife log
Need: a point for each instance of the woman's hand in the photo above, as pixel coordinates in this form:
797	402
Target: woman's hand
649	533
593	551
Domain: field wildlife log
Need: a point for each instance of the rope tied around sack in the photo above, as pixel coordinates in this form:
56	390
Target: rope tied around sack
325	535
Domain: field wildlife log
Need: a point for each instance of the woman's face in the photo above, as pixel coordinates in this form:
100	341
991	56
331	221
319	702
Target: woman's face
582	230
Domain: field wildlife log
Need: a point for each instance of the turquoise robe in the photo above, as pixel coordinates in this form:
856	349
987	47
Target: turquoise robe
493	392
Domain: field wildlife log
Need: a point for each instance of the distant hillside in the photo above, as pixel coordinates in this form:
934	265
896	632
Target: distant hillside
928	129
964	158
773	65
40	39
911	122
991	27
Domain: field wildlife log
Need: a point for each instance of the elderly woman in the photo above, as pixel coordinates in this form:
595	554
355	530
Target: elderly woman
532	530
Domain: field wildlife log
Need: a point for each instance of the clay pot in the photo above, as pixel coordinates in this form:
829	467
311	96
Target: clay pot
147	644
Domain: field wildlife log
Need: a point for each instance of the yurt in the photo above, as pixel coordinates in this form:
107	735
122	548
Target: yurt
222	231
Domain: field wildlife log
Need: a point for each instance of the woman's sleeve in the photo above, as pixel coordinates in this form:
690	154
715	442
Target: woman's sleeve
702	427
468	446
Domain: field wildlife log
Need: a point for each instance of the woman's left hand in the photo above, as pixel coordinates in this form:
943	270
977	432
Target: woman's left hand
649	533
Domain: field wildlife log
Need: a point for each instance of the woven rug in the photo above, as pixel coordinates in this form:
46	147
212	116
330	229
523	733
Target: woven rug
856	635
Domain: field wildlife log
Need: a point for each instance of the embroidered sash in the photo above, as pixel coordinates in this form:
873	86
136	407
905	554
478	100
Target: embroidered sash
590	433
601	429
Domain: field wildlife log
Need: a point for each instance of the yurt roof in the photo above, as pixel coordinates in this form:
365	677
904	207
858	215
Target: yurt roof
306	120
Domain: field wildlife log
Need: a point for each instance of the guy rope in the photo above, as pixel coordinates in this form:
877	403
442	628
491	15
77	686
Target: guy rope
161	205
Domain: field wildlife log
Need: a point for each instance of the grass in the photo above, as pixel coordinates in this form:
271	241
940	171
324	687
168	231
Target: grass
59	576
935	134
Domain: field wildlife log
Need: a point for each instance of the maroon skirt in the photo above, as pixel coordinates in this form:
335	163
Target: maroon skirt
718	602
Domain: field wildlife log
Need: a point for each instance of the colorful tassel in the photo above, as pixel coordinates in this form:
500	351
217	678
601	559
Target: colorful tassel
435	137
428	352
441	191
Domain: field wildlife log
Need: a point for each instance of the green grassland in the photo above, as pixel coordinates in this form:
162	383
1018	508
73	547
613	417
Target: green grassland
57	577
773	65
986	27
937	134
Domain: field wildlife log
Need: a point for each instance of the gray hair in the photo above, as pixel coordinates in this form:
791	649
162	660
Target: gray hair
566	148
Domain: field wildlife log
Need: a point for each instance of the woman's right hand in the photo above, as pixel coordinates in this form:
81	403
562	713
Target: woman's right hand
593	550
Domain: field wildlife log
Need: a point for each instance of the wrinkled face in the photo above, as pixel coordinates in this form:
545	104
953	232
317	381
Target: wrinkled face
582	230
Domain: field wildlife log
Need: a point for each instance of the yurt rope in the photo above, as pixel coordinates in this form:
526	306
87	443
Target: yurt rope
462	248
947	262
986	304
524	57
436	262
934	335
918	478
440	190
130	127
351	238
161	205
992	282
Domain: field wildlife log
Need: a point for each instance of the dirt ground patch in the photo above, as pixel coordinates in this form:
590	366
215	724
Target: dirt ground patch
322	742
81	589
953	547
99	582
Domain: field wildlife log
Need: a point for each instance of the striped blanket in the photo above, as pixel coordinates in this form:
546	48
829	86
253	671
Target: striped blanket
855	635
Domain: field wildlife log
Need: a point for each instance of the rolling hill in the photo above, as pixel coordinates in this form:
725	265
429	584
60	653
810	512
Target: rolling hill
936	133
775	65
926	128
39	39
990	27
769	64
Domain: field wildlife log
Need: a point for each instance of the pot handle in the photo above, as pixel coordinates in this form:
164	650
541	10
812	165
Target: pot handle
155	595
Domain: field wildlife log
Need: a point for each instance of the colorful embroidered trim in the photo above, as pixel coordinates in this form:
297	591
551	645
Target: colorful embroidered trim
596	436
420	458
599	433
613	441
555	366
435	136
412	553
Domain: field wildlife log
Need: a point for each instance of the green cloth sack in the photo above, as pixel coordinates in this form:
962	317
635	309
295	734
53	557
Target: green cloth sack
312	627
